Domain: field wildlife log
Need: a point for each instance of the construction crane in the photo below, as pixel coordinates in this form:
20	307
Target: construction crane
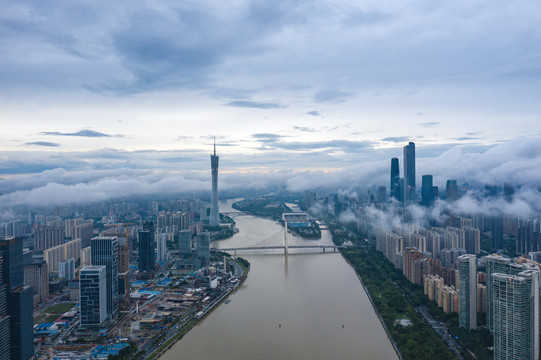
127	254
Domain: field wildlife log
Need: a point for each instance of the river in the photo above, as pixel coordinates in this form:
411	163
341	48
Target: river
303	306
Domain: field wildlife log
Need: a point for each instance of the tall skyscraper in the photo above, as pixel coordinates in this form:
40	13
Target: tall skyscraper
515	300
214	219
382	194
46	237
36	275
185	243
19	299
162	251
66	269
147	250
5	337
496	227
467	272
409	172
429	192
395	179
105	252
528	236
494	264
203	248
451	190
93	295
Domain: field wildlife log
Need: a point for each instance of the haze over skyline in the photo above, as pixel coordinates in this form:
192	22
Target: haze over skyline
118	99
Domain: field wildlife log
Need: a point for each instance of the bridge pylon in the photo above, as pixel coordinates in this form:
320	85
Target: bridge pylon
285	237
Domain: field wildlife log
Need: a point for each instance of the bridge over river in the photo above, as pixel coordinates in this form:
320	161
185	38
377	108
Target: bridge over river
323	248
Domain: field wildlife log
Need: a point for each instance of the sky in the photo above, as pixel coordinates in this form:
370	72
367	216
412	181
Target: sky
104	98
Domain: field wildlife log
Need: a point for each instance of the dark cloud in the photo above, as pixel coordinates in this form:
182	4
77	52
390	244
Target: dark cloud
313	113
342	145
466	138
107	173
335	96
43	143
82	133
267	136
429	124
396	139
255	105
305	129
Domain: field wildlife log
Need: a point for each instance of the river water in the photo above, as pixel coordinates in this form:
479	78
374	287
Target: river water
303	306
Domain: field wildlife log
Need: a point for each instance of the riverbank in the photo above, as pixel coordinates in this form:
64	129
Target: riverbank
185	324
413	337
395	345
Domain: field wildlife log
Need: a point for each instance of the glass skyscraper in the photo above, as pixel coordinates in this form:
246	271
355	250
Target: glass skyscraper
409	172
19	299
93	295
395	179
104	251
147	251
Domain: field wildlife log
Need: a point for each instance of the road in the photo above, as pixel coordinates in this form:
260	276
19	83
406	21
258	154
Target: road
150	346
442	331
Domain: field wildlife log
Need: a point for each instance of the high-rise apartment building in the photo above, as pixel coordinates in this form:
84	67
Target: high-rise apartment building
467	273
528	236
93	295
104	251
494	264
46	237
36	275
515	301
472	240
409	173
161	250
56	254
66	269
496	228
86	256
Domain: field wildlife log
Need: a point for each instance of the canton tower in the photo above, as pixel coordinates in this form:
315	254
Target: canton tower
214	219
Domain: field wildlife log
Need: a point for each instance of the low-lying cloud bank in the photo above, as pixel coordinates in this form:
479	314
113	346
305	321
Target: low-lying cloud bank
516	162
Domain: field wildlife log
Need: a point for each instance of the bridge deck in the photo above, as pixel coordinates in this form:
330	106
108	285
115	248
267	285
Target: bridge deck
279	247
